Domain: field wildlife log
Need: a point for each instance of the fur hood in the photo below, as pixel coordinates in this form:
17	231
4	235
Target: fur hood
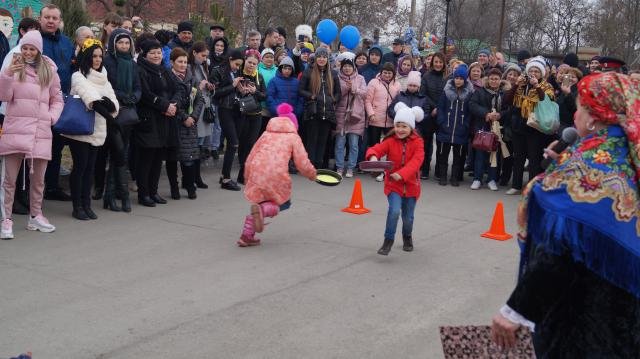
452	94
504	84
305	30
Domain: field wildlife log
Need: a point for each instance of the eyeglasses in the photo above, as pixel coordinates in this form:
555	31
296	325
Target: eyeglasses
91	42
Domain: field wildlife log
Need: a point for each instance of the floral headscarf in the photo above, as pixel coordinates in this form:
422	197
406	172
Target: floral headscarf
614	99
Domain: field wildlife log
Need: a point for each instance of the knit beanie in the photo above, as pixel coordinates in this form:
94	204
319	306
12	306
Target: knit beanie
461	71
407	115
287	61
511	67
185	26
571	59
305	50
414	78
523	55
282	31
286	110
537	62
148	45
33	38
485	52
267	51
322	51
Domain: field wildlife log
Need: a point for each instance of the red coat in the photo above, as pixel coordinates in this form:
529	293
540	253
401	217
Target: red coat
407	156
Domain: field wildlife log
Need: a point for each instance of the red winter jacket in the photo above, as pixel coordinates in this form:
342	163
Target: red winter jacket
407	156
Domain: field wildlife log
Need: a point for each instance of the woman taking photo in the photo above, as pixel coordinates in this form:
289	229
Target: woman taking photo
122	72
90	82
578	283
528	142
156	136
227	81
320	88
30	87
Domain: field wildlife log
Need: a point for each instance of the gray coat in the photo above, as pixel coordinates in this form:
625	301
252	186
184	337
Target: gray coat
199	74
189	150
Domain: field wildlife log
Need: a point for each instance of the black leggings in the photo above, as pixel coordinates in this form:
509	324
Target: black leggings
316	136
374	133
84	159
442	156
248	131
228	122
528	146
148	167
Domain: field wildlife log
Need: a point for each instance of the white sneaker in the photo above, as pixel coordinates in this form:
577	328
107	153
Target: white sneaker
7	229
476	184
380	177
492	185
40	223
512	191
340	171
349	173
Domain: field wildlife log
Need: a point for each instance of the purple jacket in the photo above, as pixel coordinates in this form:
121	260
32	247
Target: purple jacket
358	117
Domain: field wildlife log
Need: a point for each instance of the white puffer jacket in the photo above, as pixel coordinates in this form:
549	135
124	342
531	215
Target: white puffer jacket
93	88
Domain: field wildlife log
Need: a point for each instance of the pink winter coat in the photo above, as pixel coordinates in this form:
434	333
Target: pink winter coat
31	111
267	168
379	97
358	116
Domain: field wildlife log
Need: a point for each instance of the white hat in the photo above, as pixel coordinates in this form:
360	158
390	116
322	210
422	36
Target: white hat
537	62
345	56
305	30
266	51
414	78
408	115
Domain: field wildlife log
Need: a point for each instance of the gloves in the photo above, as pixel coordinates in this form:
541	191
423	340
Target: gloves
110	106
100	107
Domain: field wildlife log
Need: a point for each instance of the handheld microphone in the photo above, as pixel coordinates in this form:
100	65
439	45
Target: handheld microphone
568	138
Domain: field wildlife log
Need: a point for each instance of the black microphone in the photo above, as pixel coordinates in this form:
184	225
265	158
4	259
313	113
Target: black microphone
568	138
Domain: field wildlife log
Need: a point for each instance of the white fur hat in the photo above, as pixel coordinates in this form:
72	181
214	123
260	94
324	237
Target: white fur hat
408	115
305	30
414	78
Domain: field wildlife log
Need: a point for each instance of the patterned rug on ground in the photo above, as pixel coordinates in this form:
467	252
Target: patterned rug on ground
474	342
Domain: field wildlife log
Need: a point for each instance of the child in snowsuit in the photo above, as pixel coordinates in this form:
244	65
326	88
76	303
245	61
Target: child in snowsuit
268	185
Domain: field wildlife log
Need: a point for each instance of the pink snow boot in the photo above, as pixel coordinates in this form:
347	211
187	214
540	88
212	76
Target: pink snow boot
259	211
247	238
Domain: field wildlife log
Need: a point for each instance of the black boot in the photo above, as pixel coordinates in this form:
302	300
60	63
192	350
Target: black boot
442	176
122	187
407	243
240	178
198	176
109	199
386	247
188	179
175	191
79	213
89	212
146	201
172	174
454	182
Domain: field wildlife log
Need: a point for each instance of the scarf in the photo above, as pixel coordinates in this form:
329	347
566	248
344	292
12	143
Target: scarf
399	66
526	97
124	77
181	75
587	204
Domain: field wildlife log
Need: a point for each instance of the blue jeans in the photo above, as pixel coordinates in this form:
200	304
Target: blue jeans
353	150
480	165
398	205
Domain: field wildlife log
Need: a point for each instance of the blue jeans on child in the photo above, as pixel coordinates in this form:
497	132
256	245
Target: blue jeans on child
480	166
341	140
399	205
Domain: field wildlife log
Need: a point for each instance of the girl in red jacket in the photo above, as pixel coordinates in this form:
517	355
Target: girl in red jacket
405	148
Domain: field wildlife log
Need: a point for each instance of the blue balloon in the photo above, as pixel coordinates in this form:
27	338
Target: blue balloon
350	37
327	31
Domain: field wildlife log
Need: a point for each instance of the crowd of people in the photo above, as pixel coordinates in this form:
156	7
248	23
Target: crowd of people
165	98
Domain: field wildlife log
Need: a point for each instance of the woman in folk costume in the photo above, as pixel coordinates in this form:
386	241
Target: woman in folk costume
579	285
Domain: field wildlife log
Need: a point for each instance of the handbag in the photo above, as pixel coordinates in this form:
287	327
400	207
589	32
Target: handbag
209	115
485	141
76	119
347	114
127	116
546	117
248	105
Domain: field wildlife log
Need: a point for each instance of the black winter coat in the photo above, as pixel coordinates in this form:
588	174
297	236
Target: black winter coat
225	94
159	90
409	99
261	90
481	104
188	136
325	103
567	106
111	64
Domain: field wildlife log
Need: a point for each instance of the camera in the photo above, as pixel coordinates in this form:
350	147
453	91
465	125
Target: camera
526	78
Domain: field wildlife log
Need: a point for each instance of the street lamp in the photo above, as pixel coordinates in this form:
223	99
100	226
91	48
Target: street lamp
446	29
579	28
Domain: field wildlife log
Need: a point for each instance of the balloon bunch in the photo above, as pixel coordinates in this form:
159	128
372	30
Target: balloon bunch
410	39
430	40
327	31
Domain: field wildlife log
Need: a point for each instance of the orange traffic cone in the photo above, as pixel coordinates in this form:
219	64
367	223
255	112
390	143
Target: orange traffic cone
357	203
497	230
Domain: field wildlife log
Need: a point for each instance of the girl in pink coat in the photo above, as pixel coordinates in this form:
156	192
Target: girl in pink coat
31	88
268	185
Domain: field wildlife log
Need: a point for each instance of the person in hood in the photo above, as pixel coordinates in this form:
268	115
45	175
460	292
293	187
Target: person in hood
405	66
267	69
30	86
283	88
218	53
122	72
373	66
454	125
350	116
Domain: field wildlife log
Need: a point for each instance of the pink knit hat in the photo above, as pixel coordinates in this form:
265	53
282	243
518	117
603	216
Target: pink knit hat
33	38
414	78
